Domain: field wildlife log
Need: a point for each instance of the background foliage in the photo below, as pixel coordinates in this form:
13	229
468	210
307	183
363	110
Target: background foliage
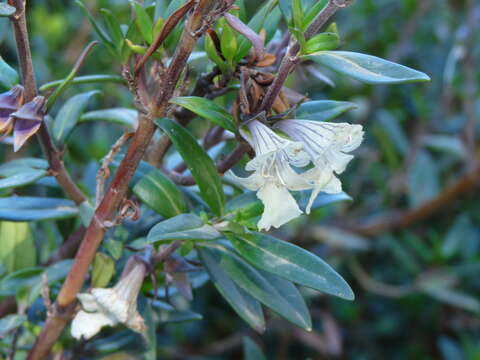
414	273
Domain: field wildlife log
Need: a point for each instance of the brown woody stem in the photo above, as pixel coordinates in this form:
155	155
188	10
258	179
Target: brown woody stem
54	157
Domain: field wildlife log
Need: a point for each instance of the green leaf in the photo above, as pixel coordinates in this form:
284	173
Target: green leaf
244	304
207	109
213	54
113	27
290	293
69	114
297	14
200	164
312	13
367	68
103	268
8	75
25	177
143	21
87	79
251	351
320	42
322	200
120	116
252	281
323	110
182	227
104	37
25	208
151	333
18	246
228	42
14	166
161	194
292	263
6	10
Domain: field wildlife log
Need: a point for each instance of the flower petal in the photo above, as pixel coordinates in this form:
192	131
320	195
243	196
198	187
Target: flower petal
87	325
111	303
89	304
280	206
252	182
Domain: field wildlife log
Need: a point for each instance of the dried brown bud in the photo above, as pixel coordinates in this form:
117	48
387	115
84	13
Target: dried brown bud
28	120
10	101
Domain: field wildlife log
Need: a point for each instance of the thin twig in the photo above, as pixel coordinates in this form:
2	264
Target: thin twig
104	172
291	59
465	184
54	157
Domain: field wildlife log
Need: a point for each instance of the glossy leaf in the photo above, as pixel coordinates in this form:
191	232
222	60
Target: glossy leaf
22	178
251	280
323	110
69	114
120	116
207	109
104	37
313	11
86	79
320	42
292	263
290	293
244	304
182	227
200	164
143	21
25	208
113	27
8	75
367	68
14	166
161	194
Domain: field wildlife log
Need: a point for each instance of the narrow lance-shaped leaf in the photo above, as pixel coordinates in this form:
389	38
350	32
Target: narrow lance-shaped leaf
292	263
252	281
244	304
161	194
24	208
69	115
323	110
182	227
207	109
200	164
367	68
120	116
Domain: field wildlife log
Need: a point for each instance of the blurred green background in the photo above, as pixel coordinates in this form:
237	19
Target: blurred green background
414	268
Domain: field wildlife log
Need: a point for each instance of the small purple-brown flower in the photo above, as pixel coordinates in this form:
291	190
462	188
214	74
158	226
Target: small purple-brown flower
27	121
10	101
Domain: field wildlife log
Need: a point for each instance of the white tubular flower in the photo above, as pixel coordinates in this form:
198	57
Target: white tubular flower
326	144
273	175
108	307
